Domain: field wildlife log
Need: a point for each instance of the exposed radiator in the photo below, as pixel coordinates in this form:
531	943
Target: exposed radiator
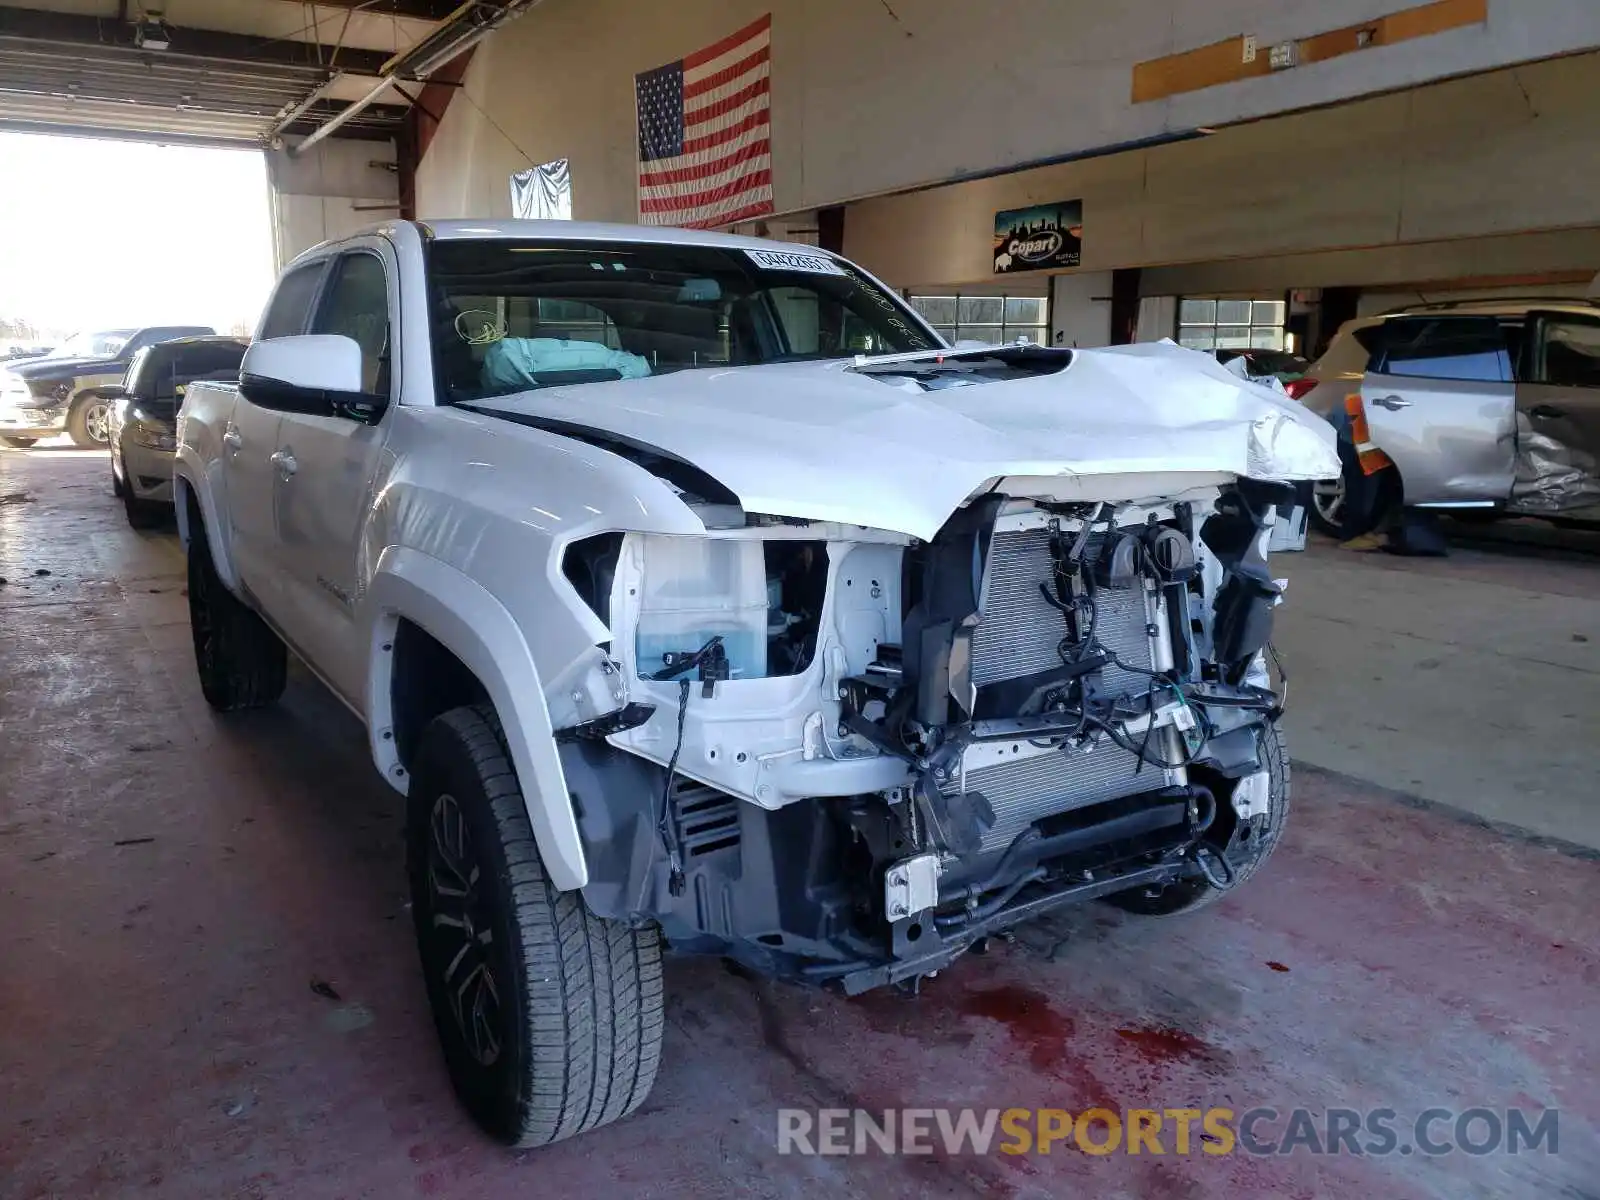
1020	630
1027	790
1018	635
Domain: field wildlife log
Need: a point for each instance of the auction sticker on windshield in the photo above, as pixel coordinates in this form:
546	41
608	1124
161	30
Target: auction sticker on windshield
783	260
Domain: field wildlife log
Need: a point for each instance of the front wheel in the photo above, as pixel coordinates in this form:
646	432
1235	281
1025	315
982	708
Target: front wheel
142	514
89	423
550	1018
1245	845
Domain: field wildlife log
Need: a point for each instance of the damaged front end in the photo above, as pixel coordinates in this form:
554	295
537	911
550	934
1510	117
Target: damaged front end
847	755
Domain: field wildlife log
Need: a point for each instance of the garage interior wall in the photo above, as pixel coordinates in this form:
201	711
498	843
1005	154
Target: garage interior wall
1489	155
331	190
870	98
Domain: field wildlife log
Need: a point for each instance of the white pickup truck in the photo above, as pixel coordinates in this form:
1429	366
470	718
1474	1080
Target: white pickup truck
698	597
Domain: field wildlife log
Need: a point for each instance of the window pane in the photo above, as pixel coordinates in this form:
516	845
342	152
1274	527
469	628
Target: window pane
1233	312
1233	337
982	310
1453	348
1266	339
1197	312
947	332
1198	338
291	303
1266	312
939	310
357	306
1572	354
1025	310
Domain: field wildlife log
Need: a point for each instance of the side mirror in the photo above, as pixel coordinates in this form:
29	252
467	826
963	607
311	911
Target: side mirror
319	373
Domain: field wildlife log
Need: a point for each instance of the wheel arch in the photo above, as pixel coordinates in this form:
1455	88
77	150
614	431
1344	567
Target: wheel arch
193	503
459	615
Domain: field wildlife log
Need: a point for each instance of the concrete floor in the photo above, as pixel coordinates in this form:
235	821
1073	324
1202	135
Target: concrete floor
174	883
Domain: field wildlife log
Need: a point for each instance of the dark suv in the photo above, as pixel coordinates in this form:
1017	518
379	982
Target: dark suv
1488	406
61	391
144	414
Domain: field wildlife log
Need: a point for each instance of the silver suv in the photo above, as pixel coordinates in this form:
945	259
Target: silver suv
1487	406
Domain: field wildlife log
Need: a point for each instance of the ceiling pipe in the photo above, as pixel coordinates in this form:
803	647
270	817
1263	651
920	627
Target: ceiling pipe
461	30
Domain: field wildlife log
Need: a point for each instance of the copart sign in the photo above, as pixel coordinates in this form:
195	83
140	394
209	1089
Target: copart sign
1039	238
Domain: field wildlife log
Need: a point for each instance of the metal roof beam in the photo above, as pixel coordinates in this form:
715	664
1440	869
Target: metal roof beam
419	10
74	30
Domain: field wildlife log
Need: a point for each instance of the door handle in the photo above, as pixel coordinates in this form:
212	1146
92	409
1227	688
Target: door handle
285	463
1547	412
1392	403
232	440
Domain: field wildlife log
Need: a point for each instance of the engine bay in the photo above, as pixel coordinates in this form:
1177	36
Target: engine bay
856	754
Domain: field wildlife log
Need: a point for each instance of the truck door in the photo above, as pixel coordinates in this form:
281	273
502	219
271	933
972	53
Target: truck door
1558	415
1440	402
249	443
328	462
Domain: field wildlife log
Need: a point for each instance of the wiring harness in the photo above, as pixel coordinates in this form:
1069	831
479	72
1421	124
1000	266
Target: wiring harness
1106	715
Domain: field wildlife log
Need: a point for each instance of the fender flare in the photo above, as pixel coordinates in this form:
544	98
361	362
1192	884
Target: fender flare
185	481
467	619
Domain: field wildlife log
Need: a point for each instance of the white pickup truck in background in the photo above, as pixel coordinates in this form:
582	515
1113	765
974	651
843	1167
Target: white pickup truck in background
698	597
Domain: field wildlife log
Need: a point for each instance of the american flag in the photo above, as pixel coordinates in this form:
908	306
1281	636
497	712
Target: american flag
705	145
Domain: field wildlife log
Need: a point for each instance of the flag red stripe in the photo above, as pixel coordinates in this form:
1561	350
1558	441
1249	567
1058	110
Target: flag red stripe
733	187
714	166
759	209
708	140
717	49
727	104
727	74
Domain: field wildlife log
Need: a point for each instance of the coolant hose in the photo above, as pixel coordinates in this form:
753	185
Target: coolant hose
989	907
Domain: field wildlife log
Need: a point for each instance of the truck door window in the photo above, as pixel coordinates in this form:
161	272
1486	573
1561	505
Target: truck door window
1465	348
291	303
356	305
1571	354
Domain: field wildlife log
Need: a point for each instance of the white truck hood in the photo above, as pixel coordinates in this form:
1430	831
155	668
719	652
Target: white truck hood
822	442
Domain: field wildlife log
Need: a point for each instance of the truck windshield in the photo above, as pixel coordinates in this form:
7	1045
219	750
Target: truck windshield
513	315
102	344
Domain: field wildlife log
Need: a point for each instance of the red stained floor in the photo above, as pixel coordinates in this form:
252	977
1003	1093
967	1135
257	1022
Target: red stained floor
174	884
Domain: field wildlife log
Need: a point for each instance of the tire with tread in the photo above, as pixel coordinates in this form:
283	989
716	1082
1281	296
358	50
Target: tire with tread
579	999
78	423
242	663
1367	498
1192	894
142	514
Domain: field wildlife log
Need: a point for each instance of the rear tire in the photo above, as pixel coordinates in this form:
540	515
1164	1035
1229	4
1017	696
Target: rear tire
550	1018
1248	846
1355	503
242	663
18	443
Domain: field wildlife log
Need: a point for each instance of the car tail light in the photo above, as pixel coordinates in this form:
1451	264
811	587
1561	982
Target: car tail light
1299	389
1371	458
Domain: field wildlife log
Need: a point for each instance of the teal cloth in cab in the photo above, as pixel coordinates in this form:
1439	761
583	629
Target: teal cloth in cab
514	362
